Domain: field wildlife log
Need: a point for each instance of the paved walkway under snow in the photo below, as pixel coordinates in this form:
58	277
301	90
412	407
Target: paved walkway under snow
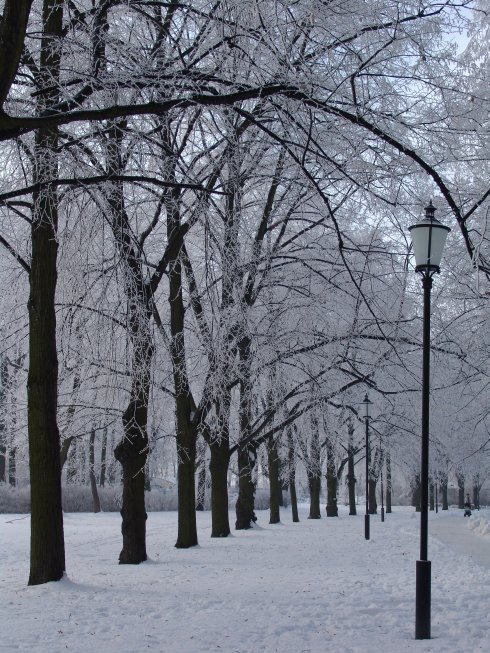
454	531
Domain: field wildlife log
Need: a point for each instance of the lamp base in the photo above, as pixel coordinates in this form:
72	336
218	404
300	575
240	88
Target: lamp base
422	599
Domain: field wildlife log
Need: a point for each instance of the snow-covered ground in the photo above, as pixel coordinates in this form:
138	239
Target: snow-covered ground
312	587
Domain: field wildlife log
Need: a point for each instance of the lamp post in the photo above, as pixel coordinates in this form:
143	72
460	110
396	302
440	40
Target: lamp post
428	240
367	414
382	498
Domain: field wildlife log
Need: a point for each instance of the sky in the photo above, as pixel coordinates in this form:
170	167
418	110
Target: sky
312	587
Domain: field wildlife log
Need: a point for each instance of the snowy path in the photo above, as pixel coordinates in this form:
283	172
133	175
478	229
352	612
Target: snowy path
313	587
456	533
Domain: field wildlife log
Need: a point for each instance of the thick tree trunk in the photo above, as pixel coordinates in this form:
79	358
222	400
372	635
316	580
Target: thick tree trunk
245	513
373	504
131	452
12	466
315	486
47	539
12	35
332	483
351	481
187	527
220	458
103	458
292	478
274	483
247	454
388	483
93	482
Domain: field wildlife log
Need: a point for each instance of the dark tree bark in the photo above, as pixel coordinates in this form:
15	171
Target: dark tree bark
247	454
477	484
416	493
388	483
274	482
103	458
132	450
314	486
444	497
373	504
13	28
245	505
220	458
460	480
186	431
13	466
292	478
47	539
93	482
431	496
332	482
201	475
4	378
351	480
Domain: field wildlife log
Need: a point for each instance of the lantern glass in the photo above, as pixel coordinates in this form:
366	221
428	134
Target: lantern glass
366	405
428	240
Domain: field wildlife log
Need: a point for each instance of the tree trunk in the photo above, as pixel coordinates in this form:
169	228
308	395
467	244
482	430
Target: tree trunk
292	478
245	513
201	475
315	486
3	459
274	483
431	496
460	479
103	458
12	466
187	527
373	504
247	454
47	540
416	493
388	483
4	377
93	482
445	504
332	483
131	452
220	458
351	481
476	492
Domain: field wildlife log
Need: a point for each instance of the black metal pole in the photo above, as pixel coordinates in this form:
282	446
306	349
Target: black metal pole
437	500
423	566
366	518
382	498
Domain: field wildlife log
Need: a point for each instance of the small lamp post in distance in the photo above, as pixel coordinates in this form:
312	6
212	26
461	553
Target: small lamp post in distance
366	405
428	240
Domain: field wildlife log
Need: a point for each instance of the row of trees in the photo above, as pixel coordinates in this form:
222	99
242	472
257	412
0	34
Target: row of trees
206	204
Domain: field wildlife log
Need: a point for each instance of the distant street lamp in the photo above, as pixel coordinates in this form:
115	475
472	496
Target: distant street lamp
428	240
367	414
382	497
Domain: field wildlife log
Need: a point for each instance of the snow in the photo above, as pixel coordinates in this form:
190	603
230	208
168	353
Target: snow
313	587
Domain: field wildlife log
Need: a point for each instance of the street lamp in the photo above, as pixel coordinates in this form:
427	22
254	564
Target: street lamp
366	404
382	496
428	240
